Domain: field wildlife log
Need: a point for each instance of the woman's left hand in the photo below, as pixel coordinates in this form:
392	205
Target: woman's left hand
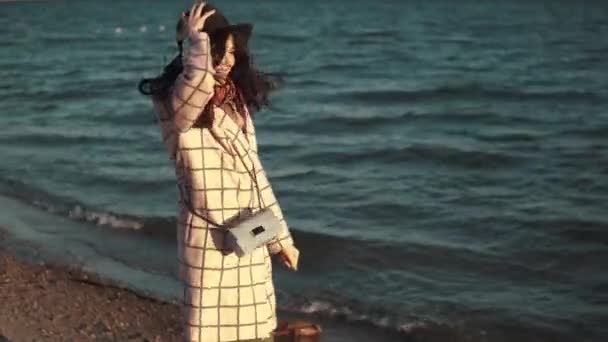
288	257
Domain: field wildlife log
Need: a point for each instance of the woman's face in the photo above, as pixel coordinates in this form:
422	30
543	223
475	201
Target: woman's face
223	68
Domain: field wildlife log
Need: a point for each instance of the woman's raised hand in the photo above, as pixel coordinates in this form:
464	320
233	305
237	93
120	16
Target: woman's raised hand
195	21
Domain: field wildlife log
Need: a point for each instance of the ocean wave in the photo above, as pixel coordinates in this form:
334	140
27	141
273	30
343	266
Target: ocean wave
420	153
50	139
54	95
66	90
463	324
374	317
156	226
283	38
574	230
360	122
10	43
464	117
339	66
307	83
159	227
103	218
344	312
287	174
63	38
464	91
597	132
98	86
509	137
372	33
69	208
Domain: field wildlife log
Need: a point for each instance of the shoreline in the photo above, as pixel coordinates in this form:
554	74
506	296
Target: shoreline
49	293
51	301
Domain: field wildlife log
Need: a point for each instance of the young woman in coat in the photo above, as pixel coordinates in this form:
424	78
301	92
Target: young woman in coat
204	99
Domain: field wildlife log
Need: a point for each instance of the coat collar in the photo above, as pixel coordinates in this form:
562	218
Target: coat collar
234	140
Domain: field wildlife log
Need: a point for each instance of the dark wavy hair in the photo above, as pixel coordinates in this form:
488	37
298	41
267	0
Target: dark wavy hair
253	84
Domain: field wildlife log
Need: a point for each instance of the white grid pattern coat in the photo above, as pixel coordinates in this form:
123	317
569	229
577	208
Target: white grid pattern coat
225	298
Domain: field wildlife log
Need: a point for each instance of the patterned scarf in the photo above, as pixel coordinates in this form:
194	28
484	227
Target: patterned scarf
228	96
225	93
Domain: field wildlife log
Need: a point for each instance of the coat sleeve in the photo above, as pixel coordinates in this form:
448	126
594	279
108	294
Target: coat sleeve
193	88
284	237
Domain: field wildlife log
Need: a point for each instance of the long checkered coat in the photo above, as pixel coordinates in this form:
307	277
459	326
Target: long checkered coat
225	298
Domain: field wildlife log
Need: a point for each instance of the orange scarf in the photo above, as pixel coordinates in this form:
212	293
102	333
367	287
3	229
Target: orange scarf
225	93
228	94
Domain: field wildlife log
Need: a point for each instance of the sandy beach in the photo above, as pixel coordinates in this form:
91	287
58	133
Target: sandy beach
44	301
51	303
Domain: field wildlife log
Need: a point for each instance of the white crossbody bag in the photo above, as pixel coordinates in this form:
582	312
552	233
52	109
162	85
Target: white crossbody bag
248	232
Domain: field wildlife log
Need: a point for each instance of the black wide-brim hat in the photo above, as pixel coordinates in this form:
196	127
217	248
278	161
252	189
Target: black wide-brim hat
217	24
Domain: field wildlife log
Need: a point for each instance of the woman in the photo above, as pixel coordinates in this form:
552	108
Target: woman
203	100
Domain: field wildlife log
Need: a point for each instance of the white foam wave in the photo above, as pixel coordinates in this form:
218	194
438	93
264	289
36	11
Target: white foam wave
103	219
383	321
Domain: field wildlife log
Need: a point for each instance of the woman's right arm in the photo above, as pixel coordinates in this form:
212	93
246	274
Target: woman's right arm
193	88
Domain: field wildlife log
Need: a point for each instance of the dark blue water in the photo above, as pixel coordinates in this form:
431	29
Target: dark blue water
443	166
